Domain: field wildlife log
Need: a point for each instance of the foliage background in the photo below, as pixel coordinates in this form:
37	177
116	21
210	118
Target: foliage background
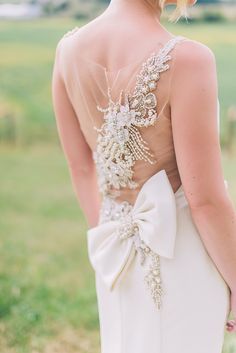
47	293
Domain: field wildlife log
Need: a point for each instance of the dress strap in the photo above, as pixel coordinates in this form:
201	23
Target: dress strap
149	74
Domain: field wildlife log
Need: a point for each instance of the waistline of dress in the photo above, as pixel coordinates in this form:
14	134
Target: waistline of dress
114	210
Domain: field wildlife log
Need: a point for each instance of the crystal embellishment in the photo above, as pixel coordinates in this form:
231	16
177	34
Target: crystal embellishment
119	141
153	276
120	145
111	210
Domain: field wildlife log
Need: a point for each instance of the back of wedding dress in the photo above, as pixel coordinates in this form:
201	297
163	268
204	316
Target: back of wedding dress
148	120
124	114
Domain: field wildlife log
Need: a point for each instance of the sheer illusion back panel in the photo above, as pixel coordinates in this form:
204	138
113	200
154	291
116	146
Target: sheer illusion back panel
88	82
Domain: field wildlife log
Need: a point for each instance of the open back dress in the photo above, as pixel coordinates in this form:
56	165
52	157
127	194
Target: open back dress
158	290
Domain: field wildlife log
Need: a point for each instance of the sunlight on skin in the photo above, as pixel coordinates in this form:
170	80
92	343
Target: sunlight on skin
231	324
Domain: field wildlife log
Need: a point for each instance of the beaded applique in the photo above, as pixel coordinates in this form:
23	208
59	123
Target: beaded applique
120	145
111	210
119	142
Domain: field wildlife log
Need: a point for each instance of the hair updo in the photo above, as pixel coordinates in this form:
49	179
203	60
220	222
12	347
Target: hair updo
179	11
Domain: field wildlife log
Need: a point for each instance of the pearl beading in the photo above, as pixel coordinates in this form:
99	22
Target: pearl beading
119	141
120	145
112	210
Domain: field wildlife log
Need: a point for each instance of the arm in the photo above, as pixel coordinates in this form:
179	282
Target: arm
76	150
193	100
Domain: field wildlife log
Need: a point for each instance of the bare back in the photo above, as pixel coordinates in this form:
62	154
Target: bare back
129	104
131	101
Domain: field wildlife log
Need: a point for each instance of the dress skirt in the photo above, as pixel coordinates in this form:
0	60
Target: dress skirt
195	299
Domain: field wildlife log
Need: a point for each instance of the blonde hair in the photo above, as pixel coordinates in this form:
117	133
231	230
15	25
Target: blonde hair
179	11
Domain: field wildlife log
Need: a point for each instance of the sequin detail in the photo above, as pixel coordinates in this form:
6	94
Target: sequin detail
119	141
111	210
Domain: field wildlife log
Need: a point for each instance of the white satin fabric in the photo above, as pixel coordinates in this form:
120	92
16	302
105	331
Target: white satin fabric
155	215
195	300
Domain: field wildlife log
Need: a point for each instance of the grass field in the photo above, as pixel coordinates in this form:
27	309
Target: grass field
47	293
26	67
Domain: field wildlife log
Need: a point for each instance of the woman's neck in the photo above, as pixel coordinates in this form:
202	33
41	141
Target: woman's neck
140	8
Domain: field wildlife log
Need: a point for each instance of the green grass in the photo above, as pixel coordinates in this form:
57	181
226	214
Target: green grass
47	293
26	66
45	277
46	281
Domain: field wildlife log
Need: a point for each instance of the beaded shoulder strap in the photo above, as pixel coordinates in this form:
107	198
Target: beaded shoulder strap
146	82
155	63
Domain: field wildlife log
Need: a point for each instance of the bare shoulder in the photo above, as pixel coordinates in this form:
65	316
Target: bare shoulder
191	52
68	35
67	42
81	32
77	38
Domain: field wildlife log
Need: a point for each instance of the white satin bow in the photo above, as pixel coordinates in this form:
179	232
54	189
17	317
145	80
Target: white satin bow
154	212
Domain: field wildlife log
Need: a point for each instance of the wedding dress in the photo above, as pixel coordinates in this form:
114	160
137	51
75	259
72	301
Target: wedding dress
158	291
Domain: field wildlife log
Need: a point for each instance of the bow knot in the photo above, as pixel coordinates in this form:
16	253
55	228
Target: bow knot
128	228
149	226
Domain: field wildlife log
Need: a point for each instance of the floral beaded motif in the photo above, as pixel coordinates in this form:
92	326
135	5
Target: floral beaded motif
119	141
119	145
111	210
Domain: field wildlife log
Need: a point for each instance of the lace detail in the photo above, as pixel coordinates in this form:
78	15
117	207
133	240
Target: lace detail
119	141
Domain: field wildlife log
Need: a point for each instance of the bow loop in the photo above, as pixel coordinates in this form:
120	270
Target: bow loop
151	221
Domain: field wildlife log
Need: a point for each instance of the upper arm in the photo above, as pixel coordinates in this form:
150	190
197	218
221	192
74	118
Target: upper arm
194	104
76	149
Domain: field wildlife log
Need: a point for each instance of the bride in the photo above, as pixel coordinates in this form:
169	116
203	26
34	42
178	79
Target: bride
137	113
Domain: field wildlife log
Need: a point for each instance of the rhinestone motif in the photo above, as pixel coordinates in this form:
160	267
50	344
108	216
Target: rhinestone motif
119	141
119	145
111	210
